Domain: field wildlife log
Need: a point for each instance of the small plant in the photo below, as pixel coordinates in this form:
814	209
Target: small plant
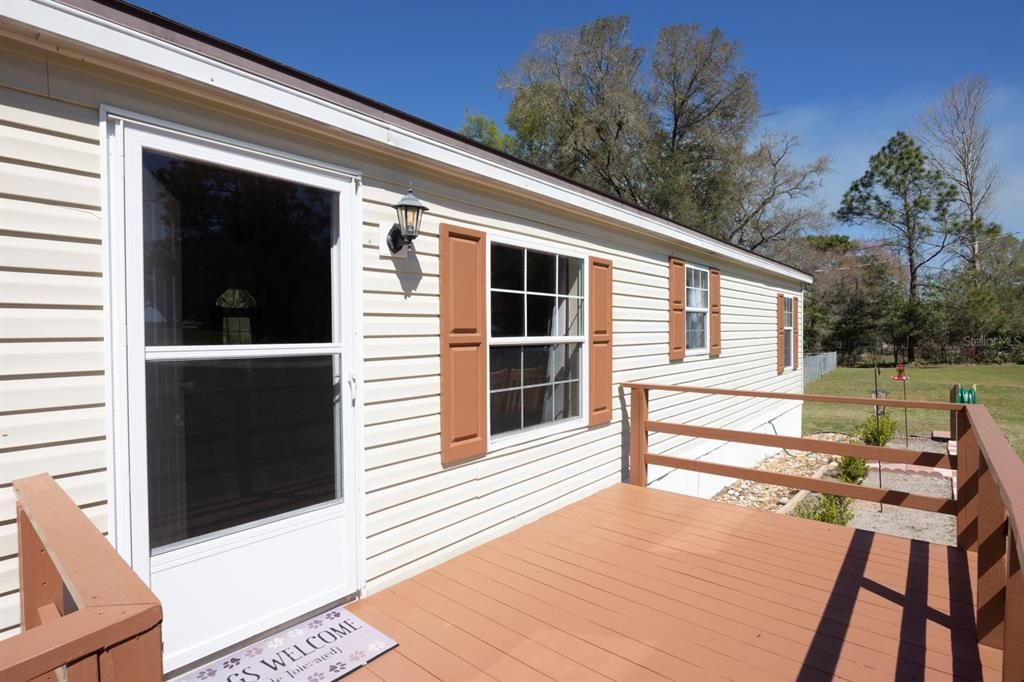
877	430
834	509
852	470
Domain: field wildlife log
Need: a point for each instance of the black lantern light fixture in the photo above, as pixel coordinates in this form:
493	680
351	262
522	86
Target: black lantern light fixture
410	212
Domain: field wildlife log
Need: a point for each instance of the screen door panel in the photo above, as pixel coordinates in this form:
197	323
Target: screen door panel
234	441
236	261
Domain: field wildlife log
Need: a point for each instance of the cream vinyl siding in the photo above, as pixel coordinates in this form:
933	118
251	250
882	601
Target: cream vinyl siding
417	513
52	412
420	513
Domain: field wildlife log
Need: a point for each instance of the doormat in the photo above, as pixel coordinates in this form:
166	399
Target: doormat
322	649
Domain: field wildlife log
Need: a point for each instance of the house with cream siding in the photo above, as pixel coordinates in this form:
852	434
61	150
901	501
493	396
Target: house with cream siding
207	341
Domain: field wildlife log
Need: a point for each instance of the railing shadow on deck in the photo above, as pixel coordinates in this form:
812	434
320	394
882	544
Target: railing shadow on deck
989	508
85	615
915	615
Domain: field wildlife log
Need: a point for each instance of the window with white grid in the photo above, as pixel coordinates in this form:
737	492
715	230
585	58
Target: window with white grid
696	309
787	330
536	338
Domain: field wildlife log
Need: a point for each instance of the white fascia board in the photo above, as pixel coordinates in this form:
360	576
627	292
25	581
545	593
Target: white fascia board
134	46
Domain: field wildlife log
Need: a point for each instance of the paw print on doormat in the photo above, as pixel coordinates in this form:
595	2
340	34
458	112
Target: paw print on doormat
375	647
275	643
316	677
332	615
315	623
207	674
296	632
253	651
337	667
232	662
357	656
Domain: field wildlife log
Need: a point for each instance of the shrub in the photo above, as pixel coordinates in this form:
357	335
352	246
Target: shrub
833	509
877	430
852	470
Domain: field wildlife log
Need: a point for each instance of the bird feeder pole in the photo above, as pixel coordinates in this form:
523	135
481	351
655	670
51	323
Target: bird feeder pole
901	376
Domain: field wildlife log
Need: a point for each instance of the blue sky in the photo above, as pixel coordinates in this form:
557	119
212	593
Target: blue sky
843	76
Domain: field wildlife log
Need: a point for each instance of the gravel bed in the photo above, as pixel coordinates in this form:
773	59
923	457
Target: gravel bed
774	497
918	443
910	523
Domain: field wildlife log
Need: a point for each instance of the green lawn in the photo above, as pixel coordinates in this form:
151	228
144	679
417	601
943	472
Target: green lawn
1000	389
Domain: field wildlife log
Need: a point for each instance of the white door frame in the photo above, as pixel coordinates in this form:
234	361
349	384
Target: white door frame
126	421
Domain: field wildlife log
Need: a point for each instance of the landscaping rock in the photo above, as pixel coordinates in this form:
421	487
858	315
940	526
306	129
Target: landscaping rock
773	497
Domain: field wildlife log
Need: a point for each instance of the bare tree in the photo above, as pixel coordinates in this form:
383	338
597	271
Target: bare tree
957	140
776	198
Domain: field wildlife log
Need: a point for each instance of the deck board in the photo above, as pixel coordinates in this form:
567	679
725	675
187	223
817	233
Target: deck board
812	570
639	584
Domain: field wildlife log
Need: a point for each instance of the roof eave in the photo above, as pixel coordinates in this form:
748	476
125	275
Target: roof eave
68	18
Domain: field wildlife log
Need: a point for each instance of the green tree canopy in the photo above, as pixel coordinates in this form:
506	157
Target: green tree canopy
486	131
672	133
909	203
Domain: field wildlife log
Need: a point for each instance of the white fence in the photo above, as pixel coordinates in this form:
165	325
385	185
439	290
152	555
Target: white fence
817	365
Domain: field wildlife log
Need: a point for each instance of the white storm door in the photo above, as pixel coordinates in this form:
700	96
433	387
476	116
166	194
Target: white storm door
239	362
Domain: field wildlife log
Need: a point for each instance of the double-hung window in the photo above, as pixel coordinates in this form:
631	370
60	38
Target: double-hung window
536	341
696	309
242	346
787	330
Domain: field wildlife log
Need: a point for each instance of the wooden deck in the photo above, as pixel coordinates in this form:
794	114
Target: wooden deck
639	584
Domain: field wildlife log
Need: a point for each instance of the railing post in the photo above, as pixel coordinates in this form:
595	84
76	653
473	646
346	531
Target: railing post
39	582
954	392
1013	628
139	658
114	631
991	593
84	670
638	436
967	456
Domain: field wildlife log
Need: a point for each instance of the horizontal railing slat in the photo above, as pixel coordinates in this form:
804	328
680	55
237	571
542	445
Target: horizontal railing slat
894	497
808	397
873	452
48	612
72	637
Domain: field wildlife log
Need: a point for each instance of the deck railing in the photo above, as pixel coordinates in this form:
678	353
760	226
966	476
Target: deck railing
85	615
989	504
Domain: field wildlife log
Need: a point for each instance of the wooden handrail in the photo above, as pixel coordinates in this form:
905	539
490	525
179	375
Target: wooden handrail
111	631
989	523
1005	466
989	504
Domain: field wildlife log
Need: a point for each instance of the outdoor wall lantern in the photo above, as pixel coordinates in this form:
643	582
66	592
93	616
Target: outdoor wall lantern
410	212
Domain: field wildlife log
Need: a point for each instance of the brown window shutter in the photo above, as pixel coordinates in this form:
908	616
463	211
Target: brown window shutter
796	333
780	325
715	312
676	309
600	309
463	344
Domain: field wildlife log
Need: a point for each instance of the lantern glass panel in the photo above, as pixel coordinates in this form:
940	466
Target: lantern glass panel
412	221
